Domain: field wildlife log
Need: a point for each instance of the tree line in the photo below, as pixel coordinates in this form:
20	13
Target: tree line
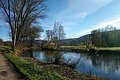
105	37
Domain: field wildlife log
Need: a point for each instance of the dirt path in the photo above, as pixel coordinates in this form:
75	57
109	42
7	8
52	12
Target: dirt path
7	71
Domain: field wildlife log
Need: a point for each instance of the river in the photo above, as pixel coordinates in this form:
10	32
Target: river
102	64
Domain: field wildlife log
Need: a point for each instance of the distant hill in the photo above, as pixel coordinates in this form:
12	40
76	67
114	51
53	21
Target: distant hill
69	42
75	41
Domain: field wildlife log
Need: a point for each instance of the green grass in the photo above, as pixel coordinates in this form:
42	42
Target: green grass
73	47
5	48
96	48
109	48
32	71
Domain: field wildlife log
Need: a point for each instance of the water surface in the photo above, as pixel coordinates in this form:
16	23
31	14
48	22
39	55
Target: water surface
103	64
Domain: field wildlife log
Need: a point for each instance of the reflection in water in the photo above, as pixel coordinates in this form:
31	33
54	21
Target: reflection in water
43	56
74	58
106	62
46	56
101	65
109	64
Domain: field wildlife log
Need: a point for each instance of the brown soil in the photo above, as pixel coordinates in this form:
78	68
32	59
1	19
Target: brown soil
7	71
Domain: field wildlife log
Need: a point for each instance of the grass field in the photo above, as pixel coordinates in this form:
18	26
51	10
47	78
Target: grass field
109	48
96	48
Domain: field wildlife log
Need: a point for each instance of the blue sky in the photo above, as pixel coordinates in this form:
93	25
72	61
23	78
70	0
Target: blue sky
78	17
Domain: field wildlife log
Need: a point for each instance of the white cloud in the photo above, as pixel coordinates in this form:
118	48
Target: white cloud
115	22
77	10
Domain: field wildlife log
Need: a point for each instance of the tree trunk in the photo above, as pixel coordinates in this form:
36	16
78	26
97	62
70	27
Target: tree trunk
14	40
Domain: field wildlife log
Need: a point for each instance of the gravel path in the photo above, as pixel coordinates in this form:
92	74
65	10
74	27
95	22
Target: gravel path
7	71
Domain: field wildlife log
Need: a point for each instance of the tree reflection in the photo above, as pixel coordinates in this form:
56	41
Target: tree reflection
108	63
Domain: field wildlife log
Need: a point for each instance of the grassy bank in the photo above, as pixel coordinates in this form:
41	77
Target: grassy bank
35	70
74	47
108	48
68	48
83	48
32	71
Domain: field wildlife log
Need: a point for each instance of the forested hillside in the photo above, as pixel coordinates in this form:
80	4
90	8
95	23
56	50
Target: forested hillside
105	37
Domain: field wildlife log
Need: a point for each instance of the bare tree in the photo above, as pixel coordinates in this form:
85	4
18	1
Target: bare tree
58	31
56	34
20	14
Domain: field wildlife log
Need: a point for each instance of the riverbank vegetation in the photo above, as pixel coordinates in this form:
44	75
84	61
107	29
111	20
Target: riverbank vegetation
94	48
34	70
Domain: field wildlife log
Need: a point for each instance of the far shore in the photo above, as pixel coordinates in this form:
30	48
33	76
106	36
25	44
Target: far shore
84	49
